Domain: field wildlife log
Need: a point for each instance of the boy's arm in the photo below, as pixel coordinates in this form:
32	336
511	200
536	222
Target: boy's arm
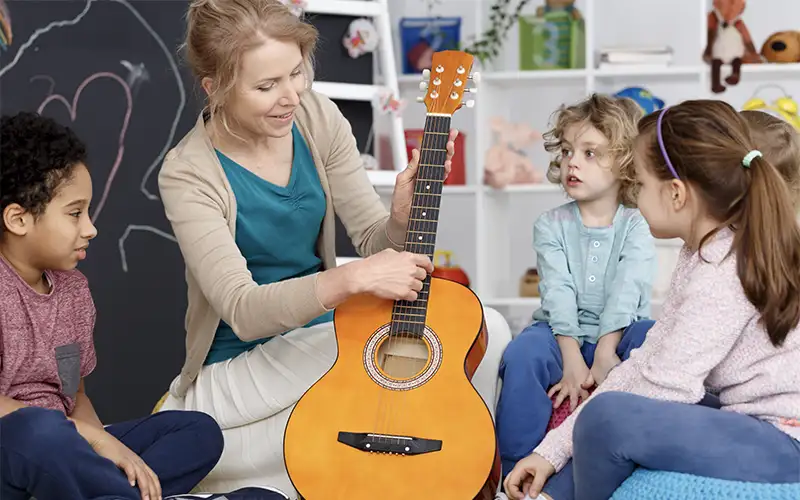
631	285
556	287
84	411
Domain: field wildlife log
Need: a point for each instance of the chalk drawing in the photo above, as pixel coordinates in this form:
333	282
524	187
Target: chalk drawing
136	73
41	31
136	227
45	77
72	107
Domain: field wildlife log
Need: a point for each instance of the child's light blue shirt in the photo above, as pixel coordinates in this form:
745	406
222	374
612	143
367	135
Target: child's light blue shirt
593	280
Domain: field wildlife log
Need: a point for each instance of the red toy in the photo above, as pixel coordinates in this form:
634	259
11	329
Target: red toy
562	412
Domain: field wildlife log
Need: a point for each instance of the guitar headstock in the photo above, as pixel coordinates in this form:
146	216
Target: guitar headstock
447	82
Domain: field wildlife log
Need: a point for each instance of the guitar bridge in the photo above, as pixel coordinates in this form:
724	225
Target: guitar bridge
394	445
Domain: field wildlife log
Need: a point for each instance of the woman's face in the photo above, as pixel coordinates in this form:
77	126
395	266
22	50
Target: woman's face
268	89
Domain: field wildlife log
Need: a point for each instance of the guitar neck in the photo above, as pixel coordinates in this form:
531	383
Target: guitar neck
424	216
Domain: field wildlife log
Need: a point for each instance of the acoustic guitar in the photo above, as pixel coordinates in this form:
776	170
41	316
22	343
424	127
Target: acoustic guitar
397	417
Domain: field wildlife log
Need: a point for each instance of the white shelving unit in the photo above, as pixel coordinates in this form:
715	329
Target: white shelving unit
490	231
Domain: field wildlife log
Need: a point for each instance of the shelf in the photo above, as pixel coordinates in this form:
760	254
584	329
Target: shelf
346	91
525	188
510	77
771	70
532	302
630	70
358	8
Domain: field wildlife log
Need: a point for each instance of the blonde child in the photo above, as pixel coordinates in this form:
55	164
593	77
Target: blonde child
729	324
596	257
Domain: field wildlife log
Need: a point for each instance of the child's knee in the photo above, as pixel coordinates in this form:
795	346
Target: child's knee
37	432
602	417
533	346
207	430
638	331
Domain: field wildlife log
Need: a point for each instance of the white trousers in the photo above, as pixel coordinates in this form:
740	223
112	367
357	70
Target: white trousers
252	395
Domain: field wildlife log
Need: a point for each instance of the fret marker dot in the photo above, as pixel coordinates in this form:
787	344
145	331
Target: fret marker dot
420	238
423	213
428	186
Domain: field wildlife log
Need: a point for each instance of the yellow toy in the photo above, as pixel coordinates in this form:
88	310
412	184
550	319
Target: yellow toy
783	107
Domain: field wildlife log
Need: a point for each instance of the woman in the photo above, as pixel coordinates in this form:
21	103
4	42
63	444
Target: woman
251	193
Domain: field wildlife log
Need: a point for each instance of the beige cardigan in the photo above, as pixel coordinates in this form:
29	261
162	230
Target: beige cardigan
201	207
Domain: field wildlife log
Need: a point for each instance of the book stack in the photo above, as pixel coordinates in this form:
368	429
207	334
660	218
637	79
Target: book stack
635	58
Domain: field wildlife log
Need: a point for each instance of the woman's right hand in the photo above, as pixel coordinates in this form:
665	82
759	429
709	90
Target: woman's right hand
390	274
574	384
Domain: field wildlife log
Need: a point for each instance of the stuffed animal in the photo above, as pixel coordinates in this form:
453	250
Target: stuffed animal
729	42
505	162
782	47
559	5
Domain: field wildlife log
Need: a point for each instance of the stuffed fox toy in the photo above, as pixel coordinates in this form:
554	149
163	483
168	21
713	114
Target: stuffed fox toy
729	42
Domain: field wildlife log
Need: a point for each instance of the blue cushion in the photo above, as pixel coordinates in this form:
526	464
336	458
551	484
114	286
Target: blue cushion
645	484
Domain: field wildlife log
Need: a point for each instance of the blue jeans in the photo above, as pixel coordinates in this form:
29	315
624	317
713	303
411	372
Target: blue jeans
42	455
618	431
532	364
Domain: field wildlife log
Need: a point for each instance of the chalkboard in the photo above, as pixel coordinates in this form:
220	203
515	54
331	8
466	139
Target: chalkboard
110	70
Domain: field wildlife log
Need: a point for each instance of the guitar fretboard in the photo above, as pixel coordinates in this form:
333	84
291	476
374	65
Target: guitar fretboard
409	316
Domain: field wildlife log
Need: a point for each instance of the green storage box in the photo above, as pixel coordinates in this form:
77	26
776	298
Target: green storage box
553	41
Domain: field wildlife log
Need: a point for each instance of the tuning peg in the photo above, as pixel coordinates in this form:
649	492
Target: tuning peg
423	85
426	73
475	77
469	104
473	90
420	99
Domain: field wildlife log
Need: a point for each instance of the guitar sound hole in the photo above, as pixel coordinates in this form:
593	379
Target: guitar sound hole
403	356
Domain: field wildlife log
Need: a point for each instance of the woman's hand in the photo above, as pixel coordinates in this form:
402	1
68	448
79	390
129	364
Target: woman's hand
107	446
404	184
574	384
390	274
528	477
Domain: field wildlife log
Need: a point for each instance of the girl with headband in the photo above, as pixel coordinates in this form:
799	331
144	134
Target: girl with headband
729	324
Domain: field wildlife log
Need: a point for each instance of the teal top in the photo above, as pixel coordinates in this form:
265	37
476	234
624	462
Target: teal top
276	230
593	280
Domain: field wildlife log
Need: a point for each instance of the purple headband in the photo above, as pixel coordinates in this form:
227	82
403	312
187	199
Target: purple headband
661	144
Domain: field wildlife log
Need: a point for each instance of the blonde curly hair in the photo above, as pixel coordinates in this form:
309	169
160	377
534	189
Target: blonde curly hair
614	117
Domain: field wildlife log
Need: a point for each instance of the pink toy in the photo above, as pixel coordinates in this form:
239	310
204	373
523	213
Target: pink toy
505	161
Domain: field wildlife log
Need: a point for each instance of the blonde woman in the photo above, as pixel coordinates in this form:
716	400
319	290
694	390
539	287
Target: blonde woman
251	194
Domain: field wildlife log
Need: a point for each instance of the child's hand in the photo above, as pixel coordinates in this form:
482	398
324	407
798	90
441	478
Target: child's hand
139	474
603	363
576	381
528	477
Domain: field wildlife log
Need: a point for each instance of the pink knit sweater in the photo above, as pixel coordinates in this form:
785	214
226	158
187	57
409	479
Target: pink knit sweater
708	336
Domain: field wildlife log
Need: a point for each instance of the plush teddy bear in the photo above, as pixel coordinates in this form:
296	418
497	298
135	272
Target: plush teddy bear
729	42
505	161
782	47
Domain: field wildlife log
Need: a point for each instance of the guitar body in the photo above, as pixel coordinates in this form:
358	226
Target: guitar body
409	395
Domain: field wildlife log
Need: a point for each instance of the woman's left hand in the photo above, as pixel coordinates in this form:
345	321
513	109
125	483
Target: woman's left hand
404	185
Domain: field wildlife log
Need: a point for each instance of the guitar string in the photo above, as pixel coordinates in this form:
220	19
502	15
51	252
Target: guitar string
401	320
402	317
430	173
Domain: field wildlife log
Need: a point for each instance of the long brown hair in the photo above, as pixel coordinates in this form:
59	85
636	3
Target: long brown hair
706	141
780	143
